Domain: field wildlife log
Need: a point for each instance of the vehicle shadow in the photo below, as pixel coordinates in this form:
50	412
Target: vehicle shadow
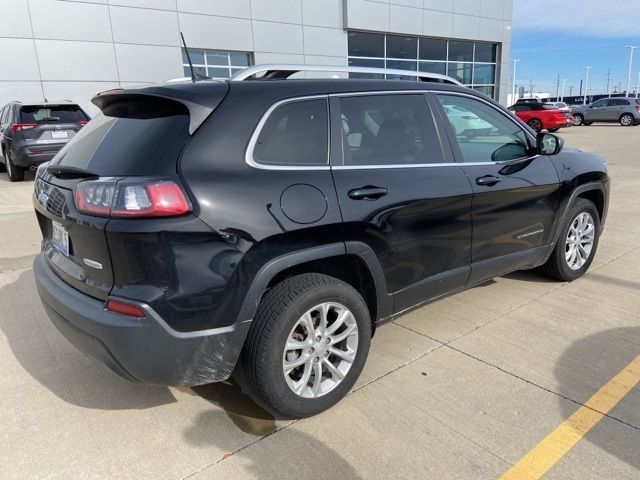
246	414
29	175
584	368
289	453
51	360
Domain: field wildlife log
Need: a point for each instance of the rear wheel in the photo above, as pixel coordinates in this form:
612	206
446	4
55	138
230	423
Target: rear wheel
626	120
16	174
535	124
578	120
576	244
307	345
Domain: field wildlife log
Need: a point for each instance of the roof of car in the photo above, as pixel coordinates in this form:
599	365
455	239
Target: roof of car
36	103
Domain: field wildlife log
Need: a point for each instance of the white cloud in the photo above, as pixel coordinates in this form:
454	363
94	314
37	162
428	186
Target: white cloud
601	18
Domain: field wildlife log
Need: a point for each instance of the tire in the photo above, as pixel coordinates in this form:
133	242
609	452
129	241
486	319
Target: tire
553	130
578	120
280	320
627	120
586	124
535	124
16	174
558	264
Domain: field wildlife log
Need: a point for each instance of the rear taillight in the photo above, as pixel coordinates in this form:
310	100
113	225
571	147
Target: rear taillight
637	107
22	126
82	123
124	308
107	198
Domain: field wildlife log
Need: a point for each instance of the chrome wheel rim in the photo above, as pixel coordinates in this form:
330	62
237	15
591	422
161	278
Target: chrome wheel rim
579	242
320	350
626	120
577	120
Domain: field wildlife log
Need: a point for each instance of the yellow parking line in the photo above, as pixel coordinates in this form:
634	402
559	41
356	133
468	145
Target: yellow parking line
552	448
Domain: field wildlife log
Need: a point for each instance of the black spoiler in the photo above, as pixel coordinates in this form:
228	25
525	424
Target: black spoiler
200	99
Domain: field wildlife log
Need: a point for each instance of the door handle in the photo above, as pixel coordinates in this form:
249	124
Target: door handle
487	180
367	193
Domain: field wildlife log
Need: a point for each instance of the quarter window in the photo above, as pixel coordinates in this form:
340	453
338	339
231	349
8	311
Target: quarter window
483	133
295	133
388	130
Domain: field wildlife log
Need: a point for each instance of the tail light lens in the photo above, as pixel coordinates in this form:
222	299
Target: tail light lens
637	106
107	198
82	123
22	126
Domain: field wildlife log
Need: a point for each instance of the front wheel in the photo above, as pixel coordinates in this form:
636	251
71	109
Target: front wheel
627	120
307	345
577	120
576	244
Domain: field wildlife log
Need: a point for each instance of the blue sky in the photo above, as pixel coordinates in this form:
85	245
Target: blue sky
563	36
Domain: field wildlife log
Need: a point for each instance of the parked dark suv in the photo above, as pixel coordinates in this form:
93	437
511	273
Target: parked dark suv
31	134
265	227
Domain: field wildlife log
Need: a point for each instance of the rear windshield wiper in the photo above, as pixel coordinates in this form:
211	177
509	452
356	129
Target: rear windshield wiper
63	171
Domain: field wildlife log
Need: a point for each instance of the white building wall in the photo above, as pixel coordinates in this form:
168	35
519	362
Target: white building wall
71	49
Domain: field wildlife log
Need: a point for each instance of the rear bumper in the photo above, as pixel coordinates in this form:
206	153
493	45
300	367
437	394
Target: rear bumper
144	349
24	157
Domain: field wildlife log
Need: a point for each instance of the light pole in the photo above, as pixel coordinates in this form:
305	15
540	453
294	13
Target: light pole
513	93
631	49
586	86
638	85
562	91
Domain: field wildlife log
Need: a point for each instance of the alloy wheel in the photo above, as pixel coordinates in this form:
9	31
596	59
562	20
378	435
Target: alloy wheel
320	350
626	120
580	240
577	120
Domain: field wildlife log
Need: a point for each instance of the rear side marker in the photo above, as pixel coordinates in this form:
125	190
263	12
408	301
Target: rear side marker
124	308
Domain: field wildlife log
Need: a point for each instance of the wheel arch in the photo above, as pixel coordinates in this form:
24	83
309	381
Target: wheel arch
593	191
353	262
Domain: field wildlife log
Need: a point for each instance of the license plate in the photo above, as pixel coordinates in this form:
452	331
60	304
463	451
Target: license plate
60	238
59	134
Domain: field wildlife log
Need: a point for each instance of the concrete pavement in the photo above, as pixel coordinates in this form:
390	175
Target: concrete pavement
460	389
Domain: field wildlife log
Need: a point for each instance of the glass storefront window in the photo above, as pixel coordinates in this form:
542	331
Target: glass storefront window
366	44
402	47
460	51
433	49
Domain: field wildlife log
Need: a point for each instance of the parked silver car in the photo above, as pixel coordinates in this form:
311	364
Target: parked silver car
625	111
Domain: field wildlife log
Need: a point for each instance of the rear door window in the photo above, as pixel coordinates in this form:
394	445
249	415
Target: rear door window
57	114
391	129
295	133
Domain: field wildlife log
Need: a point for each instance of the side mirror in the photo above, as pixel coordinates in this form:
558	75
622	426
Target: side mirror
549	144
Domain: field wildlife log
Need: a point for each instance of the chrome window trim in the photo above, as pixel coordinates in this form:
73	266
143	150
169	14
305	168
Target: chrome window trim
249	160
252	162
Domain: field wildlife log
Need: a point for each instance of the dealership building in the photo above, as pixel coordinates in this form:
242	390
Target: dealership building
67	49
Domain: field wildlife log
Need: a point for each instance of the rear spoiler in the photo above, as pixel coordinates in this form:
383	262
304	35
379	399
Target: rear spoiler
200	99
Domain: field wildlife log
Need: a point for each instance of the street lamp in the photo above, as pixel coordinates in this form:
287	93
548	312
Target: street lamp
562	91
638	85
586	86
631	49
513	93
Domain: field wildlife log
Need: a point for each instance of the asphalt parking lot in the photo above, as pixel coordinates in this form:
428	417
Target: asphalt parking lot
463	388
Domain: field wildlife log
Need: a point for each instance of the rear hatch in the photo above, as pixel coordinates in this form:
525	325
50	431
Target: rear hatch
137	135
46	128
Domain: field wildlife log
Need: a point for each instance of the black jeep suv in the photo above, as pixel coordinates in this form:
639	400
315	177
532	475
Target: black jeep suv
264	228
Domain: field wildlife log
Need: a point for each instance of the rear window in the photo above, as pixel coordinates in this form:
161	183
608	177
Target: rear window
142	137
47	113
